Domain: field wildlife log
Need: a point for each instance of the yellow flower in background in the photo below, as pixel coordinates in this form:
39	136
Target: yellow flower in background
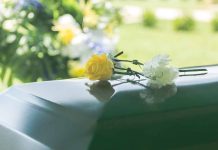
66	35
67	28
99	67
90	18
109	30
76	70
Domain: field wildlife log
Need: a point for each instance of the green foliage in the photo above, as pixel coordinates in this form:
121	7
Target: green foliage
186	49
185	23
60	7
149	19
214	24
119	17
29	49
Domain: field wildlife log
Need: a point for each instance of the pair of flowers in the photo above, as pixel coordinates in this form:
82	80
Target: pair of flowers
158	71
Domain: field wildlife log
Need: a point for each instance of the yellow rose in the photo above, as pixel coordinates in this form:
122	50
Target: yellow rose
99	67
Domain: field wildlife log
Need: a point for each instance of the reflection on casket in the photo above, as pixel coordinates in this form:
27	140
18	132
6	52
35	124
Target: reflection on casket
116	115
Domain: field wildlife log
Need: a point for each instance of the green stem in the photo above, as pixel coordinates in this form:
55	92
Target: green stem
129	71
192	72
135	62
189	70
117	55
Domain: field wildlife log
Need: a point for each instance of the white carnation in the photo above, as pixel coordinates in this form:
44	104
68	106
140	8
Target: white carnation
159	72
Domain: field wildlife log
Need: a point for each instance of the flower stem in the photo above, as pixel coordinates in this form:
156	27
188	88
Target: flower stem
135	62
129	71
117	55
192	72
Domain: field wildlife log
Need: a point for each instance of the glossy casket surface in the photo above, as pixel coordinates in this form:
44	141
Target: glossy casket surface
78	114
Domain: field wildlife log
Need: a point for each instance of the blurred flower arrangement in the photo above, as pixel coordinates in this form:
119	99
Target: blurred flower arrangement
46	40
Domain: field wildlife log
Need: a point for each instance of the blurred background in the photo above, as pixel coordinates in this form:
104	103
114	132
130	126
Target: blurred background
49	39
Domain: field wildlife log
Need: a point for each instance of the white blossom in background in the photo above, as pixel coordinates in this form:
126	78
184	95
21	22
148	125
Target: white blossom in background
69	32
67	21
100	42
5	11
77	48
91	42
159	72
10	25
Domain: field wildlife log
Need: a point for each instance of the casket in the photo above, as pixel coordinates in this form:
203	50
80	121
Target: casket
120	114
